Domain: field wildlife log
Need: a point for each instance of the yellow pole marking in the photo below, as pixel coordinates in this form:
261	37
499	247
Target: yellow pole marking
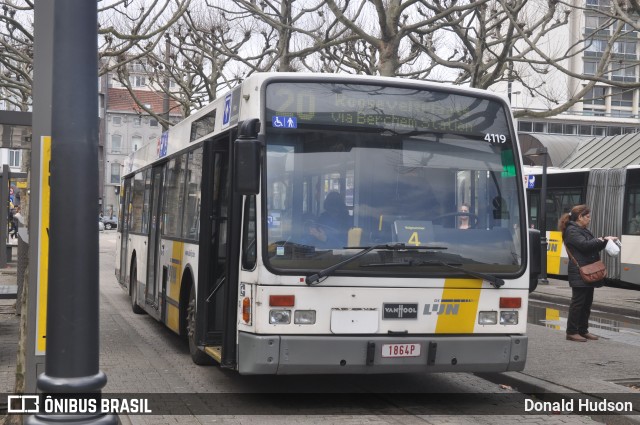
43	245
458	309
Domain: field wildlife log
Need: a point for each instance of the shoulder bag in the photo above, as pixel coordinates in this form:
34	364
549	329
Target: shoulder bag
590	273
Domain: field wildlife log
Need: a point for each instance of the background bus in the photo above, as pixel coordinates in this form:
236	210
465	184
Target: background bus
614	197
309	224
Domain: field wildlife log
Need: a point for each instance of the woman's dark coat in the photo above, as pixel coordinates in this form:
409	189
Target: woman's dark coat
585	248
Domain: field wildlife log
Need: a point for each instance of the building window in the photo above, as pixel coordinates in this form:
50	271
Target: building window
136	143
600	131
153	122
555	128
525	126
620	97
116	143
585	130
617	113
598	3
595	47
590	68
139	67
570	129
117	120
137	121
595	96
625	48
138	81
623	72
15	158
590	112
597	24
539	127
115	173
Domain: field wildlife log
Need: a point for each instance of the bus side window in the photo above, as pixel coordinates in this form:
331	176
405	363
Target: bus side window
249	234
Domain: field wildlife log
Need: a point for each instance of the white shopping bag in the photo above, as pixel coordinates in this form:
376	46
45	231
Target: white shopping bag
612	248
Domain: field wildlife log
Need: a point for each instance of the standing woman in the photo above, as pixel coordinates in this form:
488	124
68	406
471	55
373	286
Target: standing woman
585	248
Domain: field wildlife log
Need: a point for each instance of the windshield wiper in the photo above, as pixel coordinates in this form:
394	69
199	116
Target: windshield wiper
495	281
315	278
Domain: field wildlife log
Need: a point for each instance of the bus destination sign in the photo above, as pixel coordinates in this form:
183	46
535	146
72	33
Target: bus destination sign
399	109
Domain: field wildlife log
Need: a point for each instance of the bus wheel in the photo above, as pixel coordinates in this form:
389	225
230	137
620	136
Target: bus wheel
197	356
134	291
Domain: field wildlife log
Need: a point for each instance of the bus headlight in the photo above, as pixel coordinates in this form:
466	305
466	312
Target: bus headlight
304	317
508	317
488	318
279	317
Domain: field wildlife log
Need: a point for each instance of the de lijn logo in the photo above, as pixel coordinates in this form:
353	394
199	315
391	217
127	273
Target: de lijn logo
400	311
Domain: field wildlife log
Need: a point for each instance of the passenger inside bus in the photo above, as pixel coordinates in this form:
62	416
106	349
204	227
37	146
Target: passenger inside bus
332	226
464	218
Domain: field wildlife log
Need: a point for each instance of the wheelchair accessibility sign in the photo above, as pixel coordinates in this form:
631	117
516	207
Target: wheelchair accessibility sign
284	122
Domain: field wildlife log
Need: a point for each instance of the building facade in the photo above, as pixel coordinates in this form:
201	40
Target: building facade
605	110
126	127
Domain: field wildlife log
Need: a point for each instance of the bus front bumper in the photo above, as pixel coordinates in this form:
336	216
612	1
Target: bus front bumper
311	354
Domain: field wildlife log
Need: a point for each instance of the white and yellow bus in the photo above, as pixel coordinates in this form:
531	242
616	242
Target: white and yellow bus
226	238
614	198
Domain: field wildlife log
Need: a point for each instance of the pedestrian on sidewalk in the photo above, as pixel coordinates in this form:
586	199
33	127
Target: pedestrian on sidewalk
585	248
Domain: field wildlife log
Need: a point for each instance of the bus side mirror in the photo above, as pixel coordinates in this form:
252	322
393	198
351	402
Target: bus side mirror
246	156
535	259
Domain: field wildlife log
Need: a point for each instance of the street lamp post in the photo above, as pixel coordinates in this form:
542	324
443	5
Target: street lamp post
543	152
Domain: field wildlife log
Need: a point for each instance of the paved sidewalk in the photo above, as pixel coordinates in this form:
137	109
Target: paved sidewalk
606	299
605	368
9	331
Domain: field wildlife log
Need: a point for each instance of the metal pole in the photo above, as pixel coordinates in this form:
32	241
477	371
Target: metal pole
543	218
72	351
4	219
165	96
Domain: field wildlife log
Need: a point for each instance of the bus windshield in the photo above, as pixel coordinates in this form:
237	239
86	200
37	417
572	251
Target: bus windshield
335	187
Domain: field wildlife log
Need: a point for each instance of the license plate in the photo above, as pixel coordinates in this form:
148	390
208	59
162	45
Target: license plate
400	350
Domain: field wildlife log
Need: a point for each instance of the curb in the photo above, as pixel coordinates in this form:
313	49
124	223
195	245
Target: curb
606	308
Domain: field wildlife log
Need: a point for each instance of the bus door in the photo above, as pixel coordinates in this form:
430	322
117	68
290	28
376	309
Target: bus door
152	294
212	282
123	230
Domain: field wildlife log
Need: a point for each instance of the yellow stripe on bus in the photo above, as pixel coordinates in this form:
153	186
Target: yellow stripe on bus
175	280
554	249
173	318
458	309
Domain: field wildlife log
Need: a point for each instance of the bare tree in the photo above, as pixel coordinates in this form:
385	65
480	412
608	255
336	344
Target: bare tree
287	35
16	54
387	27
134	25
124	25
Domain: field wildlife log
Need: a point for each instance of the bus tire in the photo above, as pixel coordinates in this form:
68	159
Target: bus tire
134	291
198	356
